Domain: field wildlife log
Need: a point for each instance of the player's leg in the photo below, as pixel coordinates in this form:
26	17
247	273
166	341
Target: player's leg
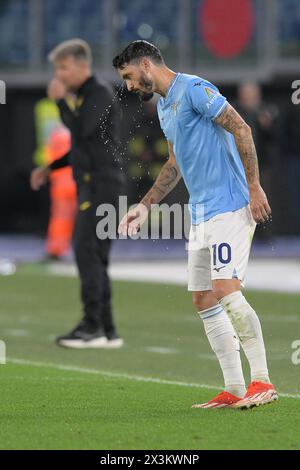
106	192
217	326
89	333
223	340
231	248
247	325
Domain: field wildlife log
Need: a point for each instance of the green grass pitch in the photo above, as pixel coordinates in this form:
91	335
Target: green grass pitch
54	398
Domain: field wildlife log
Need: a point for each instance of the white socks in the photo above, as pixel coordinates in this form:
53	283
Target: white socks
225	344
247	325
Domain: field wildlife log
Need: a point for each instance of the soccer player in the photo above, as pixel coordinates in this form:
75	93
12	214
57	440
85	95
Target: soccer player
212	148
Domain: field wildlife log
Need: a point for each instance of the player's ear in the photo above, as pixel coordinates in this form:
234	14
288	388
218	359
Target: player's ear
145	64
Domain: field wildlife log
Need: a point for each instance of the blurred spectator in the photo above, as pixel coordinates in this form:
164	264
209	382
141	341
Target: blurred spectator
62	197
291	151
90	111
263	120
54	141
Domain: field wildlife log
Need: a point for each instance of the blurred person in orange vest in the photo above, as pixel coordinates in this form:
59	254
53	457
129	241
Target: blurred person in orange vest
62	196
54	140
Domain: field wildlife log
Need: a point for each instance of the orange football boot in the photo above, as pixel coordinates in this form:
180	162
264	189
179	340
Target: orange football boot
258	393
222	400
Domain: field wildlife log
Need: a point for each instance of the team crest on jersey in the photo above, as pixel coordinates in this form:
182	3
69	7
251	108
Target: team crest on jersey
209	92
174	107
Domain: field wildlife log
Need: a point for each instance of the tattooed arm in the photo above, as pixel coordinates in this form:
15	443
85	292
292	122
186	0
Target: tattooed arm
230	120
167	179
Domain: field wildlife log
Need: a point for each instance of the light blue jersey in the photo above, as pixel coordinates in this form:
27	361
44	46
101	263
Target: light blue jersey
205	152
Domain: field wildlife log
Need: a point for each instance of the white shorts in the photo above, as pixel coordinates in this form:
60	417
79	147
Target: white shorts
219	248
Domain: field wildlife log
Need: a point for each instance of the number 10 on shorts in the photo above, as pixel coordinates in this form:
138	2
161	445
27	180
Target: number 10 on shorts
221	253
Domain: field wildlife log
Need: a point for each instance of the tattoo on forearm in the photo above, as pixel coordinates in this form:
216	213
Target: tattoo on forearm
165	182
167	176
230	120
248	156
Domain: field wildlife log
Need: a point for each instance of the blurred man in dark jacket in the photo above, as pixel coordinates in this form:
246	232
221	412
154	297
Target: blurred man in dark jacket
291	167
88	110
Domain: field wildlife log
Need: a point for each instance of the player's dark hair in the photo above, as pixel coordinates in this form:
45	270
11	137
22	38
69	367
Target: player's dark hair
135	51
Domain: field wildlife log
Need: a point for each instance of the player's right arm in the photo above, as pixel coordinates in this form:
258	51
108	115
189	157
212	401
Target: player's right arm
230	120
167	180
206	100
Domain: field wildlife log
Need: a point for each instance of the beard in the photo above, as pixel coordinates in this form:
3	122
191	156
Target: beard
147	84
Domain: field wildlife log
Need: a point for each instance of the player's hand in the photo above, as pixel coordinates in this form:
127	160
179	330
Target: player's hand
39	177
56	90
133	220
259	205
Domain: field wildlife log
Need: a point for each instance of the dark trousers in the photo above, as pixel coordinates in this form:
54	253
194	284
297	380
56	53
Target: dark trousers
92	253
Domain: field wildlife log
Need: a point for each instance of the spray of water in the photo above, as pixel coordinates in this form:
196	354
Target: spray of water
118	150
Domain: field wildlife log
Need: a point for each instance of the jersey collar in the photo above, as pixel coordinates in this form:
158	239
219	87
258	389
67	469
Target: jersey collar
171	86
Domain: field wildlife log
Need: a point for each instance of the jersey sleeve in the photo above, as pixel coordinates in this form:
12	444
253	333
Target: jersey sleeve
206	99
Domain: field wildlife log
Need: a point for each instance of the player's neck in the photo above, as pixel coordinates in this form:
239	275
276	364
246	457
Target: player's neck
164	81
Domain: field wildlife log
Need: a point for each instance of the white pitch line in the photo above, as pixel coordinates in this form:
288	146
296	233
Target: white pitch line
104	373
117	375
161	350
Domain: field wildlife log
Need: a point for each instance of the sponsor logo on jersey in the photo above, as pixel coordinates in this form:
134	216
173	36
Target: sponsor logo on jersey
210	92
212	100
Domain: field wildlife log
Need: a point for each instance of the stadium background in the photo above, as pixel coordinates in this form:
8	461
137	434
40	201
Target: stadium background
54	394
195	38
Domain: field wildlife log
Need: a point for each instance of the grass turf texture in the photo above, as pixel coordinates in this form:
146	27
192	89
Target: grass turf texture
94	407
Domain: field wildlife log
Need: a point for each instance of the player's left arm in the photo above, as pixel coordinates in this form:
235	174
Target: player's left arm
230	120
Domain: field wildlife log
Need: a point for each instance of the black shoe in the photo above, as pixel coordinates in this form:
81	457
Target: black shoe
85	335
114	341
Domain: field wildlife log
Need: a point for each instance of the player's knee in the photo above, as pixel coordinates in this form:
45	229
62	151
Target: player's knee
203	300
221	288
220	292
